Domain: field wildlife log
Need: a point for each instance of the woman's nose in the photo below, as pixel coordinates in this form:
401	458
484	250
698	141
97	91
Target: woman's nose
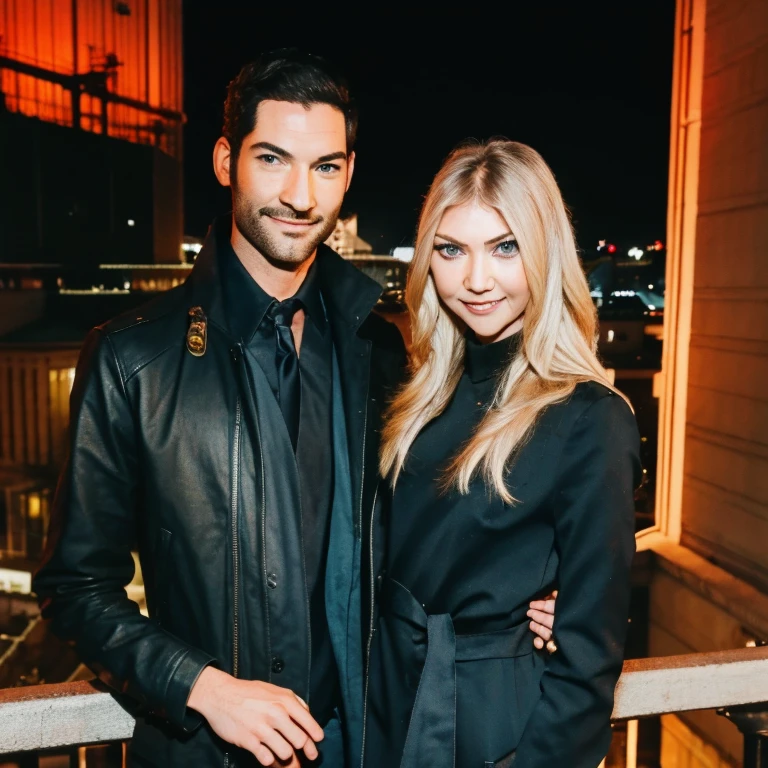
478	277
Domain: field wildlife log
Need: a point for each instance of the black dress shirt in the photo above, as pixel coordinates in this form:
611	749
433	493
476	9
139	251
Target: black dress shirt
247	307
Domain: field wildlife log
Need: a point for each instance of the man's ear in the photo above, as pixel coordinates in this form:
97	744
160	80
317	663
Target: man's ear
350	169
222	157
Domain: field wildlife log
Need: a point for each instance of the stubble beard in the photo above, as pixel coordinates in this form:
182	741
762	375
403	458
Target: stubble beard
281	249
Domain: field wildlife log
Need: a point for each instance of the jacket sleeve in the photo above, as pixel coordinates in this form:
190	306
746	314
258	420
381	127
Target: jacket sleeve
87	565
593	511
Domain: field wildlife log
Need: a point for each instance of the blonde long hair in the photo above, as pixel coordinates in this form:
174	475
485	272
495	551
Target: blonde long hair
559	340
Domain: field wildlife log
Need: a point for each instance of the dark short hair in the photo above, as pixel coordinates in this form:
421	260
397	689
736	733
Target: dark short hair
287	74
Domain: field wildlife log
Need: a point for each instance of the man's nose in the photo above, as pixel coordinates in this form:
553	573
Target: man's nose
299	192
478	277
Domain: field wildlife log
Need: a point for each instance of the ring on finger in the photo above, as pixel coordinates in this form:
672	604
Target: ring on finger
551	645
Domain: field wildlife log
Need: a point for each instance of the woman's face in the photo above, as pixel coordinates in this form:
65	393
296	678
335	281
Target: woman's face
478	271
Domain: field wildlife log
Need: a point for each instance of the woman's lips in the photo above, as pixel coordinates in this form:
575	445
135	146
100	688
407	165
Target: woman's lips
482	307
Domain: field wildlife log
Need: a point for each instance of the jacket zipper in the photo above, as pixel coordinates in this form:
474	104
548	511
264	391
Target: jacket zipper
360	523
370	627
235	546
236	541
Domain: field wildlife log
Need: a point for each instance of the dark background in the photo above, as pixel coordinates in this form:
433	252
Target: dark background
586	84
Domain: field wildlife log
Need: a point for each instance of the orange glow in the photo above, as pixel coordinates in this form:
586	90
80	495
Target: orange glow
91	36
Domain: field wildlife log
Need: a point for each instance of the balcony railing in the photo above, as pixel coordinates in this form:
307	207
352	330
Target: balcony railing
47	717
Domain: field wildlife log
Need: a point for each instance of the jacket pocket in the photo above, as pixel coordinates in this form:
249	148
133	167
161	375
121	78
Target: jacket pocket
162	573
504	762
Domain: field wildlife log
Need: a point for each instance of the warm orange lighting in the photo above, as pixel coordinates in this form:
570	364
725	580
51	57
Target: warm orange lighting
138	55
33	506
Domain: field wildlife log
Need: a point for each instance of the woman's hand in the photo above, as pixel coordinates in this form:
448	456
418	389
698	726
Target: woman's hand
542	614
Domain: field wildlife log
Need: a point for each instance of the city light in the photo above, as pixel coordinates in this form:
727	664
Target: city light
402	253
131	223
635	253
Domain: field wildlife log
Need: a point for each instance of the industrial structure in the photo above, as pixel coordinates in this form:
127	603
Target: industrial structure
91	131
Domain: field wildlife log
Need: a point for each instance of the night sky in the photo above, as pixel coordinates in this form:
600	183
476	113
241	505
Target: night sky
586	84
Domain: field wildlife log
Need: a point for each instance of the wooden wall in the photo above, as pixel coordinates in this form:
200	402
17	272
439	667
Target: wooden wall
725	491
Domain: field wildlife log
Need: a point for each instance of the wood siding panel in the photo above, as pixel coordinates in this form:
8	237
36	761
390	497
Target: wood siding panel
685	622
733	373
730	249
730	528
731	415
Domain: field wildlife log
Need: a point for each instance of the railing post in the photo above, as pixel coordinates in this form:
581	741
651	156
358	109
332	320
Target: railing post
752	721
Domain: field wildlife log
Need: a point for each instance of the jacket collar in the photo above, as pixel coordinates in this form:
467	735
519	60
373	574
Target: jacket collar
349	294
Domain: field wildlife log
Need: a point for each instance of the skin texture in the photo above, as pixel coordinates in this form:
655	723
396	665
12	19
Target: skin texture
291	175
478	271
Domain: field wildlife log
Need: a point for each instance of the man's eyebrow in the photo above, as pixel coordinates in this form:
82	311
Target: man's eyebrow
487	242
274	149
332	156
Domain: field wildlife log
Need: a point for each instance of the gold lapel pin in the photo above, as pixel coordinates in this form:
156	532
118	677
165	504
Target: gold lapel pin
197	333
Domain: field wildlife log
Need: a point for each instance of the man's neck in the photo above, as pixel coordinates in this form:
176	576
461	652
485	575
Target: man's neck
280	283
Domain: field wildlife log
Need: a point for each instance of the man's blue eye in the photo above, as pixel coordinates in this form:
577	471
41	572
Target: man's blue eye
327	168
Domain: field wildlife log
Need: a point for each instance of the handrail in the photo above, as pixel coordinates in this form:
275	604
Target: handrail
87	712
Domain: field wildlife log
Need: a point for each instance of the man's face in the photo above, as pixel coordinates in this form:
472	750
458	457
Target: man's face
292	174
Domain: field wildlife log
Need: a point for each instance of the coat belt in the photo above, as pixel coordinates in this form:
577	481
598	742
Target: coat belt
431	737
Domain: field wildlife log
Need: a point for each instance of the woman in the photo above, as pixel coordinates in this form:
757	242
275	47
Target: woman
512	462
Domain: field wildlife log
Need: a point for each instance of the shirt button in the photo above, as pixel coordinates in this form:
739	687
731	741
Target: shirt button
272	581
278	665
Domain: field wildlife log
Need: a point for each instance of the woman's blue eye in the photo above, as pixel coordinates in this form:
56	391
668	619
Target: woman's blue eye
508	248
448	249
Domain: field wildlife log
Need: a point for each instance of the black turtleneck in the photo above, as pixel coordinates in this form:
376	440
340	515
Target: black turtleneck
424	520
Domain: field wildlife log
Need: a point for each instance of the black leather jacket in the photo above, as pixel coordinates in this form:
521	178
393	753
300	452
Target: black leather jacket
166	458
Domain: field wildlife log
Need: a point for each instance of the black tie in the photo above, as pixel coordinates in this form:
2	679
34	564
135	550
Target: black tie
287	361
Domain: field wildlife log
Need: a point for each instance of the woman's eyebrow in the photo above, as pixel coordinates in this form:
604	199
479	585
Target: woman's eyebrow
450	239
487	242
500	237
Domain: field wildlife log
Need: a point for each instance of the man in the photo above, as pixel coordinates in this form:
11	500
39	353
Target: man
228	431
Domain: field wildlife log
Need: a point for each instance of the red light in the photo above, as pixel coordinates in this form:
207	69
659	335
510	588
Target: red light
658	245
611	248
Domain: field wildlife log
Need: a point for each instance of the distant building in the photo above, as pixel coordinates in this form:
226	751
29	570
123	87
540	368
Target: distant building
90	131
345	240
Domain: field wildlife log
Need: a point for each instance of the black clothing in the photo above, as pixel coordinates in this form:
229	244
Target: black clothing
460	571
247	304
250	311
170	454
280	315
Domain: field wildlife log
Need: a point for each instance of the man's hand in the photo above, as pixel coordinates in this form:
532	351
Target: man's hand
542	613
270	722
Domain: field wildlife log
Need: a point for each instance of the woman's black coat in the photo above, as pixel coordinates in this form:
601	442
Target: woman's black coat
453	678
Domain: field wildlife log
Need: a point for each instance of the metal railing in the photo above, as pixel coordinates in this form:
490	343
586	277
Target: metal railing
47	717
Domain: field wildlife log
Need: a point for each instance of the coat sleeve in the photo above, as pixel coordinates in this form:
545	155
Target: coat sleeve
593	509
87	565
